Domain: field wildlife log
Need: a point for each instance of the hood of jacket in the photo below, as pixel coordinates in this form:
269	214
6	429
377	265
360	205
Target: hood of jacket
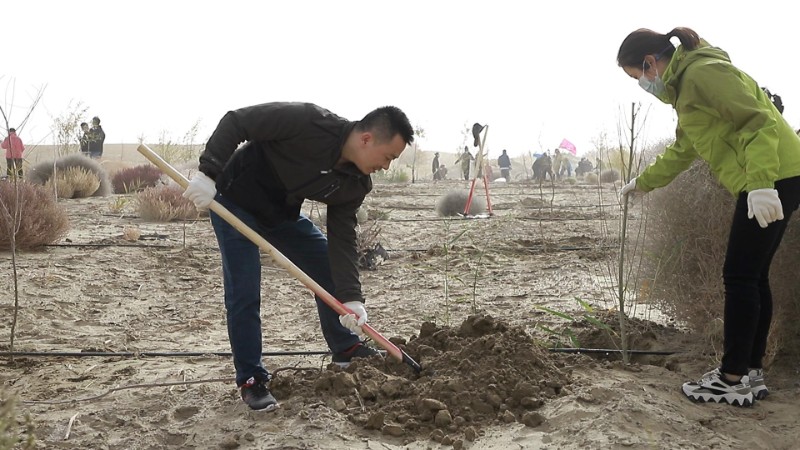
682	60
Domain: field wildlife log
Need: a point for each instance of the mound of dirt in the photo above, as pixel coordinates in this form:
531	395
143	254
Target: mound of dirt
480	374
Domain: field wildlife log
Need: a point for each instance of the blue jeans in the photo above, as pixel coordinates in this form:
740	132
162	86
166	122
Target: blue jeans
300	241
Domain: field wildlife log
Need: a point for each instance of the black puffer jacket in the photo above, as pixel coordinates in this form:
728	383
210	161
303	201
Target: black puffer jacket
290	154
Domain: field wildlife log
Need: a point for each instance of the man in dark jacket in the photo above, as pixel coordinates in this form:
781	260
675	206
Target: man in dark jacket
84	139
96	138
292	152
505	166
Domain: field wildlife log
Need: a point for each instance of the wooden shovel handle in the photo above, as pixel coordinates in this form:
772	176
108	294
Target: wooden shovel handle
280	259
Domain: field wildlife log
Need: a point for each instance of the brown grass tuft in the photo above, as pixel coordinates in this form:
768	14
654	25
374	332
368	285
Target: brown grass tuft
73	182
136	179
131	234
42	172
609	176
165	203
39	220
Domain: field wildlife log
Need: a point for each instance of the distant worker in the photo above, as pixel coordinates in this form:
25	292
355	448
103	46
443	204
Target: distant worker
558	161
465	159
541	167
584	167
96	138
505	166
435	166
84	139
14	147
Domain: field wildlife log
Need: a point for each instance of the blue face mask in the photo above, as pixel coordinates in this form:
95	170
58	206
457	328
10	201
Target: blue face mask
654	86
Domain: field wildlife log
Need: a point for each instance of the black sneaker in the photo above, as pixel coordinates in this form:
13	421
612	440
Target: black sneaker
257	396
359	350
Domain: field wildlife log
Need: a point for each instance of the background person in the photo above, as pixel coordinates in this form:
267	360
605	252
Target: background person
465	159
505	165
726	119
84	139
14	147
96	139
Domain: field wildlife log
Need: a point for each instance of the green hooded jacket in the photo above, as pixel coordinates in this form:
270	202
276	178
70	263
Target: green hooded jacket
725	118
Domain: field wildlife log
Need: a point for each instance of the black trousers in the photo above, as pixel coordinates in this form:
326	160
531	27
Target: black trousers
748	299
11	164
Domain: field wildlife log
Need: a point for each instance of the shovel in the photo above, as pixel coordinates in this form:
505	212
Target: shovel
282	260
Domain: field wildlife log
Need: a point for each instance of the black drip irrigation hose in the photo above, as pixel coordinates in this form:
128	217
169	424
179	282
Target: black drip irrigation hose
291	353
612	350
157	354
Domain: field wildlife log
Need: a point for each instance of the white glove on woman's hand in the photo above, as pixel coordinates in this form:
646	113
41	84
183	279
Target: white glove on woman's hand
765	206
350	321
201	190
629	188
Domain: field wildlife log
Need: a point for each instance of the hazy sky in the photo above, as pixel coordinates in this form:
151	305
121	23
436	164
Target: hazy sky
536	72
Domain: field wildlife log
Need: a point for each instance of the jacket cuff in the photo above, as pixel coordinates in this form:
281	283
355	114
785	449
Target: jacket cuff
763	184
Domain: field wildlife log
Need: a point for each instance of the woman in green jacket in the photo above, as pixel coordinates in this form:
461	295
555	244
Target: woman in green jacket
725	118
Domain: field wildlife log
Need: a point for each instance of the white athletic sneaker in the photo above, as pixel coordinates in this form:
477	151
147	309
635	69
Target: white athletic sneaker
757	384
713	388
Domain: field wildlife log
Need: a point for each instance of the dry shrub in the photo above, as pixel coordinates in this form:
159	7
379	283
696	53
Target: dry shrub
41	220
136	179
42	172
73	182
131	234
113	167
590	178
165	203
687	237
454	202
11	435
609	176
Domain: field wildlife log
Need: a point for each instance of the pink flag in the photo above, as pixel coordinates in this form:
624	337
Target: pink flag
568	146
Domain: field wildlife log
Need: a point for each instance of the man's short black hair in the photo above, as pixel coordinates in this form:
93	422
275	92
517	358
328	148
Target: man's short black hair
386	122
84	123
96	120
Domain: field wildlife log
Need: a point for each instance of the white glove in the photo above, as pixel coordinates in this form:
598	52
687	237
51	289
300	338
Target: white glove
629	188
350	321
765	206
201	190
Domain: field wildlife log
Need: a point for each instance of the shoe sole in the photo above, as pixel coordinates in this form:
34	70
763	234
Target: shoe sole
731	399
268	408
760	393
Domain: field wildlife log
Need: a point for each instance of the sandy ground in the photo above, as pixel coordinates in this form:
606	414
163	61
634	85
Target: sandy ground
469	312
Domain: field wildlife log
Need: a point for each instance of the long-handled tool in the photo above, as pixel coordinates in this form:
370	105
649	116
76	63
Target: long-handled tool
479	172
282	260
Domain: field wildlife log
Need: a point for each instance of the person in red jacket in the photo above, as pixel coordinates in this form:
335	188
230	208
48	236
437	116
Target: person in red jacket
14	147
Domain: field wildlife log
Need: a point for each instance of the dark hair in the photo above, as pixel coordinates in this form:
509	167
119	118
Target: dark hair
96	120
12	130
84	123
386	122
643	42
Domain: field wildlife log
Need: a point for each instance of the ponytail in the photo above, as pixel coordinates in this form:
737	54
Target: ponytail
644	42
688	37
